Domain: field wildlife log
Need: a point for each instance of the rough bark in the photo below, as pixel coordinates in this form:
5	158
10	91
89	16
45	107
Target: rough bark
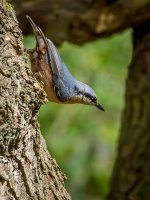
27	171
81	21
131	176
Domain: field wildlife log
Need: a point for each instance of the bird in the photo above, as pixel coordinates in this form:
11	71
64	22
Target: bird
58	82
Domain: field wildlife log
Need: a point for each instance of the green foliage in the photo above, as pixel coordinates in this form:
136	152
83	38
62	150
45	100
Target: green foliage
81	138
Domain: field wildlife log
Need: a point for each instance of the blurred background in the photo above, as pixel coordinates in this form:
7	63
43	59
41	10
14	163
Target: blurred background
82	139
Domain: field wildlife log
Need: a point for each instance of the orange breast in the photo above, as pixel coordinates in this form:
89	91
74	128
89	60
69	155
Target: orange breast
46	78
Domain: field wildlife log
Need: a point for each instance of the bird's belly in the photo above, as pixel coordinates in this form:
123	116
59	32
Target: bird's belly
50	92
44	75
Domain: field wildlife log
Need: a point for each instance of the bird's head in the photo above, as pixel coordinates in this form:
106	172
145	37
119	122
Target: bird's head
85	95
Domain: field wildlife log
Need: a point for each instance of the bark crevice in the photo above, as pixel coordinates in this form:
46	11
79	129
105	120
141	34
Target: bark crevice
130	178
24	158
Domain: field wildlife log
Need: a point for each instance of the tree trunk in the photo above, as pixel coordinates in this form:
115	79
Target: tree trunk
27	171
131	176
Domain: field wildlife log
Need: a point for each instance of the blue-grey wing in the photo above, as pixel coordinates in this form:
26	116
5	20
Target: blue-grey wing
63	81
53	56
55	59
62	92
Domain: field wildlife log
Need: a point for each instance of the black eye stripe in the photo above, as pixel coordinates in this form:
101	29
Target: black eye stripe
93	98
87	95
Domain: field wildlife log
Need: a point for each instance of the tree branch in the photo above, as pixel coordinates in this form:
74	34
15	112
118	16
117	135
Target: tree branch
82	20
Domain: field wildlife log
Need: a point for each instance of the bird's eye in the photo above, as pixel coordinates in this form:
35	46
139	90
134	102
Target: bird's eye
93	98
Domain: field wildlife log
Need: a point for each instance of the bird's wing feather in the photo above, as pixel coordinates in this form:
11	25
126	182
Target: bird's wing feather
53	55
54	59
61	91
56	65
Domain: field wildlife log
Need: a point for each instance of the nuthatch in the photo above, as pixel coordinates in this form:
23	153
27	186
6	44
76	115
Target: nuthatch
58	83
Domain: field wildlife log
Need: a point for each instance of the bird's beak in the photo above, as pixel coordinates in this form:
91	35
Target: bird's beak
34	27
99	106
